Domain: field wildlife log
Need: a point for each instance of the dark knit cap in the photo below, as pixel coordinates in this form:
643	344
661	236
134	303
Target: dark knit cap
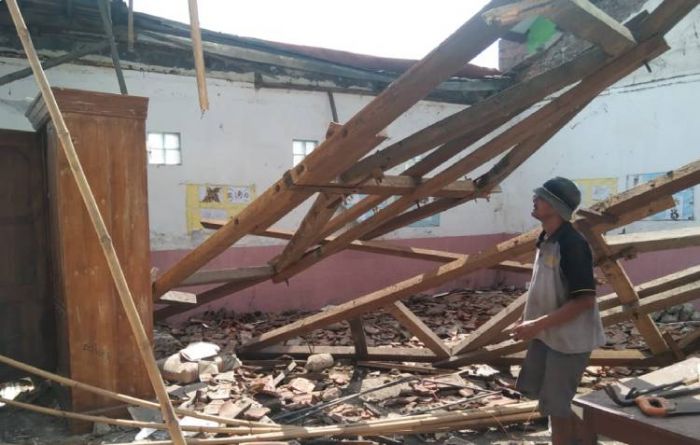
562	194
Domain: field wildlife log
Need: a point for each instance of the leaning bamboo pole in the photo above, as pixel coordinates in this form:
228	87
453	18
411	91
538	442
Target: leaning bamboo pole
126	423
196	34
475	418
93	210
65	381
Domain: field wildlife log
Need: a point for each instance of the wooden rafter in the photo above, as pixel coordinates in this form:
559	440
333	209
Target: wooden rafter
337	153
551	114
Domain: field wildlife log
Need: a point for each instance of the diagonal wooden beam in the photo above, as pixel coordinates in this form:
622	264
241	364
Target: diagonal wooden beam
82	51
392	185
415	326
568	103
337	153
618	279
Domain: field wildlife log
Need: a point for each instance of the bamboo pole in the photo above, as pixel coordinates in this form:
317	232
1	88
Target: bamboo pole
475	418
126	423
65	381
93	210
130	27
196	34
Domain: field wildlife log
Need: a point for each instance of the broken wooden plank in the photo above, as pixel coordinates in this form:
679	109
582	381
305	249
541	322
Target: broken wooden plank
588	22
345	147
103	5
199	67
415	326
381	353
228	275
98	222
600	357
81	51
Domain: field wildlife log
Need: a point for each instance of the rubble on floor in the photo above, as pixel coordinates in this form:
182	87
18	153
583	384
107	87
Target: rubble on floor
198	360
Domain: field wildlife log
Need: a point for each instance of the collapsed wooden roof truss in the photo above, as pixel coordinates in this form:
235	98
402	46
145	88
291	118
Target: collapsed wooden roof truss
339	166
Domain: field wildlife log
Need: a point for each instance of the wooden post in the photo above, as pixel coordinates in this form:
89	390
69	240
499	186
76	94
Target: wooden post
130	26
103	5
198	52
100	228
357	329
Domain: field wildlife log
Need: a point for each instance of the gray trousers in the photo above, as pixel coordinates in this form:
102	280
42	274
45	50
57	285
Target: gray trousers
551	377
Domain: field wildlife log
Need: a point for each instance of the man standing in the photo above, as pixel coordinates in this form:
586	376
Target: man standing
561	317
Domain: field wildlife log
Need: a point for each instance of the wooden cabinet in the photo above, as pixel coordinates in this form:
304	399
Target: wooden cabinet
95	341
27	328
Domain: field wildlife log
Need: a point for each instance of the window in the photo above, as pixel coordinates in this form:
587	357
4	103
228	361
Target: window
164	149
301	149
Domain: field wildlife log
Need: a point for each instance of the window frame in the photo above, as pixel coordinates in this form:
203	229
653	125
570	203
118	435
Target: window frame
163	149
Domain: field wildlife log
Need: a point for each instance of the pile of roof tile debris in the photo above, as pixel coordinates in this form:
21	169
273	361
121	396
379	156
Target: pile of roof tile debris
198	359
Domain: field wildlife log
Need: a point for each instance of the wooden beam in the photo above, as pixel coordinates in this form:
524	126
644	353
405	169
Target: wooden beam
463	128
415	326
103	6
199	67
632	358
382	353
567	104
82	51
393	185
487	258
98	222
618	279
228	275
588	22
633	243
357	330
345	147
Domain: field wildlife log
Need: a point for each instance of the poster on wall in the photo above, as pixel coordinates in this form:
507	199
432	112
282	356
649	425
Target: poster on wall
215	201
594	190
684	210
431	221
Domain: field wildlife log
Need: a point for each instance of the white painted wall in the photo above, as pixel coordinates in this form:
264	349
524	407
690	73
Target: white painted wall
648	122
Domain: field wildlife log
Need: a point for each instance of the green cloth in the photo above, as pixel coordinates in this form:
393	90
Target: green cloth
540	32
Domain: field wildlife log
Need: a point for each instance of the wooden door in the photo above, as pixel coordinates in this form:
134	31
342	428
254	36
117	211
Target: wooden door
27	326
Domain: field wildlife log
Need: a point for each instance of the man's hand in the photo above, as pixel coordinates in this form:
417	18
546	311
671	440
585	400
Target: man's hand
527	330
